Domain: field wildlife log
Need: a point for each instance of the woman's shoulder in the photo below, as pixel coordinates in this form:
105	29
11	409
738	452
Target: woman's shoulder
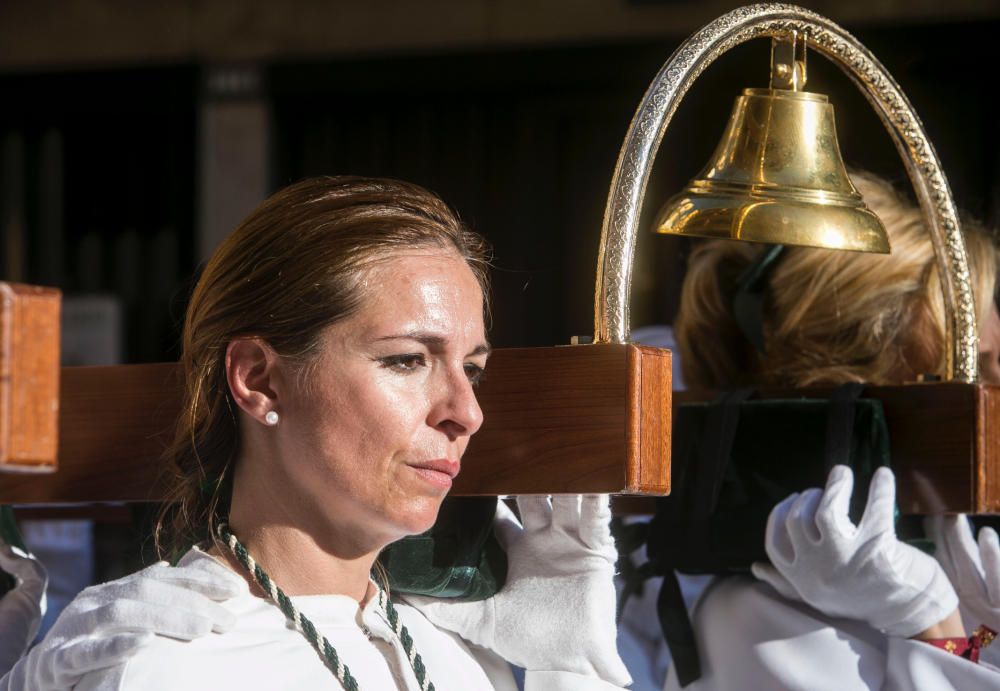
180	655
249	655
260	650
263	652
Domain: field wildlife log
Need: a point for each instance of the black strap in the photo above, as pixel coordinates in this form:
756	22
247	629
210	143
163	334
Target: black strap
748	296
721	423
840	425
717	440
677	630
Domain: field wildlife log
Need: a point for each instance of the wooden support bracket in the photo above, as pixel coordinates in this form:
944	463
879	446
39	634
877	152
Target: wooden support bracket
29	377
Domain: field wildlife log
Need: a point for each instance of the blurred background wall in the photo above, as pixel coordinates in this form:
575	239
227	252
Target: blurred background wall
133	136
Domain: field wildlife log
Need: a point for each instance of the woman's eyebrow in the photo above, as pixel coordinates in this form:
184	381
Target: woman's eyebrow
481	349
432	341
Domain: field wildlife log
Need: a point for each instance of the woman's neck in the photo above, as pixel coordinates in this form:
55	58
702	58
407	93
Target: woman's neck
298	565
303	552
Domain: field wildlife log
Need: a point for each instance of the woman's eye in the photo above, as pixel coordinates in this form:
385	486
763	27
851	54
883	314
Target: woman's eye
408	362
474	373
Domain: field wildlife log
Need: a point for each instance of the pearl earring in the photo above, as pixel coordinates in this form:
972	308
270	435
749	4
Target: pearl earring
271	418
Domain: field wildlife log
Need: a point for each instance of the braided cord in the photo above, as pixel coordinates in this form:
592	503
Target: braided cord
416	662
320	644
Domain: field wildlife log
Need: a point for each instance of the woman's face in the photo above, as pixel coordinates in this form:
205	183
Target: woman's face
371	442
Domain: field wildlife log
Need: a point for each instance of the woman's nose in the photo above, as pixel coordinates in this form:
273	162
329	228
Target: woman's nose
457	411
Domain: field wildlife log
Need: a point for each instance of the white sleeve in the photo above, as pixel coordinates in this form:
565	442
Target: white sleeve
496	669
752	638
565	681
749	637
640	638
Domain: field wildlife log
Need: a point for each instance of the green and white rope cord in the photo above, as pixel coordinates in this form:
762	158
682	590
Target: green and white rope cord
320	644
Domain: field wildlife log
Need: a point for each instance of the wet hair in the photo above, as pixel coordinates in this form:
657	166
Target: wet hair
292	268
829	317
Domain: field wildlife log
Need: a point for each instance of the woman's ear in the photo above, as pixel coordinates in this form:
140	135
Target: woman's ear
252	373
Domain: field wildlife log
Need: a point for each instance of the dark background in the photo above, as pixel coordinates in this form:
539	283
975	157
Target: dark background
521	141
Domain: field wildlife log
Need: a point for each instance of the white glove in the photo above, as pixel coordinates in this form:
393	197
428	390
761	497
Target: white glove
857	572
22	608
556	611
106	624
973	569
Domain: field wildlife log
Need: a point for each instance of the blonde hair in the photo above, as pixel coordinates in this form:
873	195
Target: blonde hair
830	317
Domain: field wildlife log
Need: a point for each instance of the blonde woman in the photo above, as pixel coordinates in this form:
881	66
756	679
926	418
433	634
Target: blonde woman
842	606
832	317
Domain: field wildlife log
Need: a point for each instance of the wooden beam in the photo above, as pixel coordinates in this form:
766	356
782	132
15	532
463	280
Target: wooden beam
934	445
562	419
944	442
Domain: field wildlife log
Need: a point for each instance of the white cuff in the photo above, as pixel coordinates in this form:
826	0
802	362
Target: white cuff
932	603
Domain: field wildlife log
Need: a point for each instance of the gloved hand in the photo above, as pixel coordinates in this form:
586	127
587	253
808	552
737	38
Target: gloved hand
106	624
556	611
857	572
973	569
22	608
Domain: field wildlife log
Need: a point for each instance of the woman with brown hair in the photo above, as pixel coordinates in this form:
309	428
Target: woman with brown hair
331	352
840	606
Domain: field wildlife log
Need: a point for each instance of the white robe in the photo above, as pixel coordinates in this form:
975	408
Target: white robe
262	652
750	637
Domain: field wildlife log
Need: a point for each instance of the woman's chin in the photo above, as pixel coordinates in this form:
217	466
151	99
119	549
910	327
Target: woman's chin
419	516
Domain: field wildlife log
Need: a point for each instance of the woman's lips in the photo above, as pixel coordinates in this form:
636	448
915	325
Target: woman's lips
438	472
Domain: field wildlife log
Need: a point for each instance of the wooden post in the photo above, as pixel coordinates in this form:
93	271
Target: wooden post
29	377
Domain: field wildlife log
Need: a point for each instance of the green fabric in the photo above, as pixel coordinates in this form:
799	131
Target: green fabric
458	558
12	536
8	529
779	447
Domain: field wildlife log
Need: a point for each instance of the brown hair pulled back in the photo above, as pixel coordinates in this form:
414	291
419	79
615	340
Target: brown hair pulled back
829	317
292	268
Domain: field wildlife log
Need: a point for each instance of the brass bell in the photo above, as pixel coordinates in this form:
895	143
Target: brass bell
777	175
